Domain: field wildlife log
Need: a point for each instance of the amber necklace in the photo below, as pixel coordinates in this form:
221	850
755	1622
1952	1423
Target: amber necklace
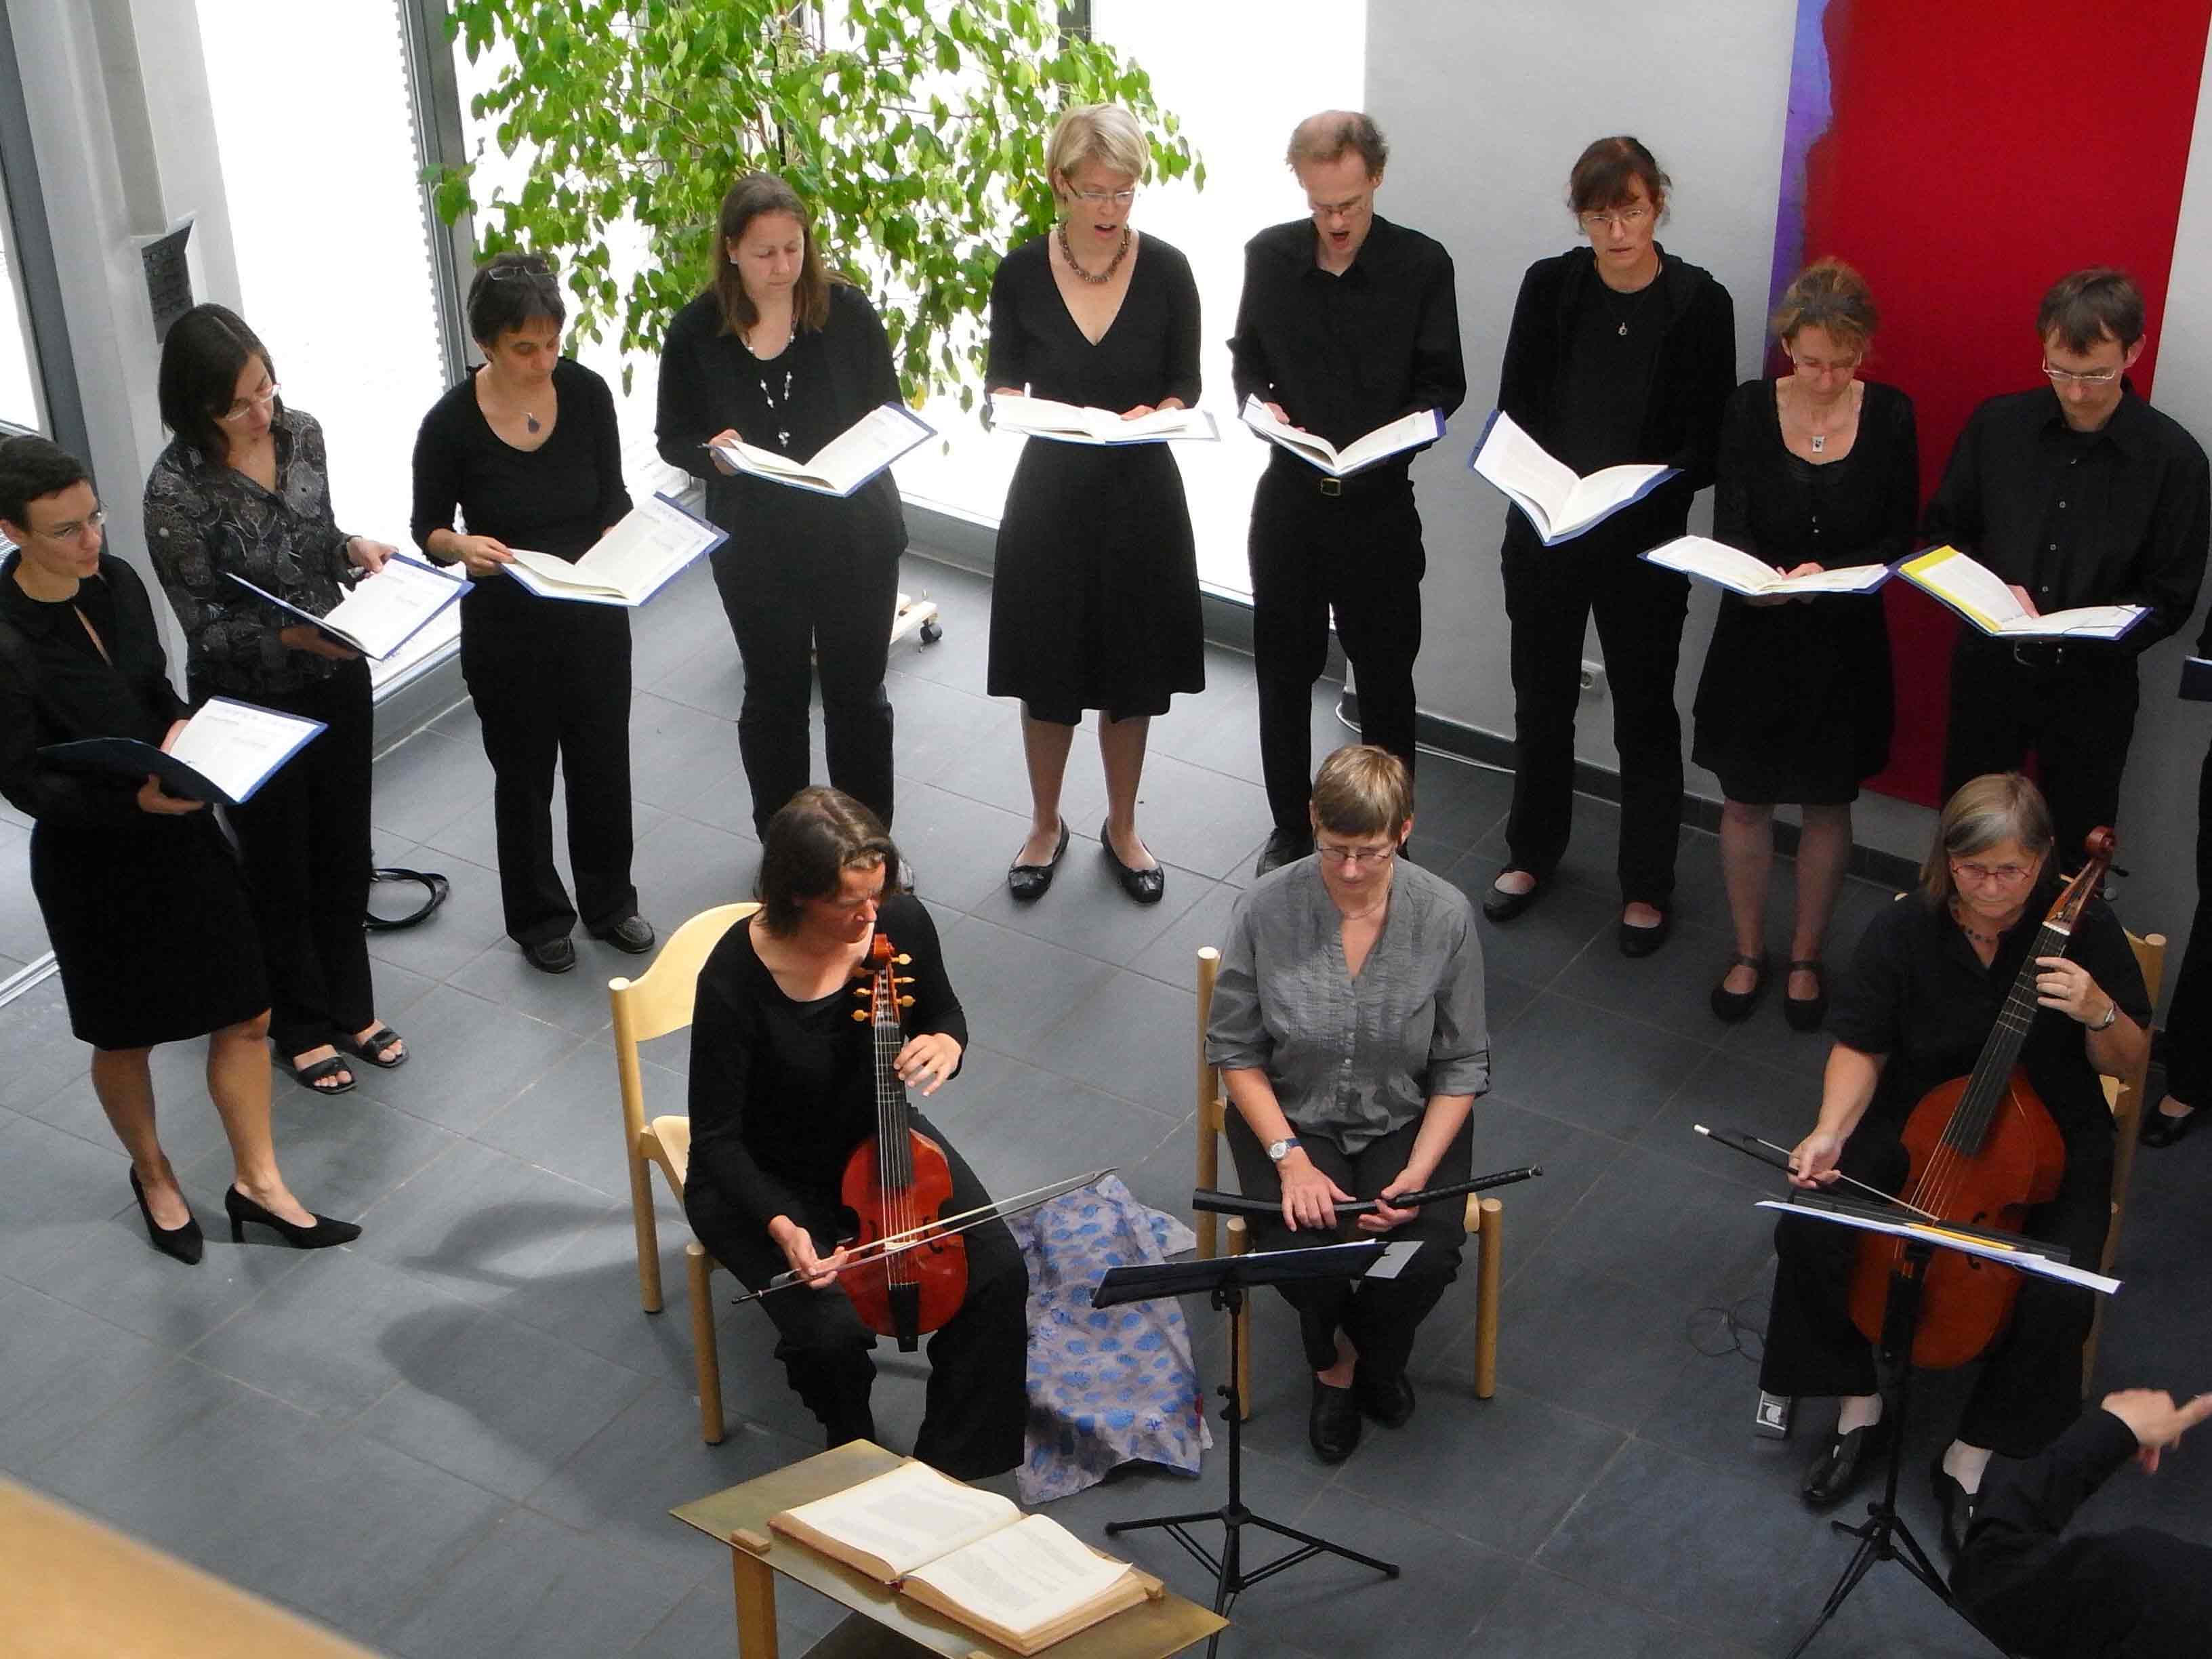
1076	264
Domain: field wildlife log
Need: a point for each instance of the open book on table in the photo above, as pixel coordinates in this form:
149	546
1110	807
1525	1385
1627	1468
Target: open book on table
846	462
385	610
1024	1581
627	565
1070	423
1980	595
1561	504
225	753
1739	573
1423	426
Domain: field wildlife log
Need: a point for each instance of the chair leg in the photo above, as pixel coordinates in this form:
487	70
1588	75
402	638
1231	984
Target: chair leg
1487	1274
699	1269
1240	1240
648	1233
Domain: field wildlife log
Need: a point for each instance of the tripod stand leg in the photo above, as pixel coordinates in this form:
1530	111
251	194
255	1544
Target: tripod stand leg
1873	1547
1387	1569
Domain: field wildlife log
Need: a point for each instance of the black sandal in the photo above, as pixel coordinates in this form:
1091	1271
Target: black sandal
1733	1007
311	1076
1806	1013
372	1047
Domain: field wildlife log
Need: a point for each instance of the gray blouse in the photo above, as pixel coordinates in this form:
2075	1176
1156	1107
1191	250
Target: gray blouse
1353	1059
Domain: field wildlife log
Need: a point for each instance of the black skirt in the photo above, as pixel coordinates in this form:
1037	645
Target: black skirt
1795	701
150	928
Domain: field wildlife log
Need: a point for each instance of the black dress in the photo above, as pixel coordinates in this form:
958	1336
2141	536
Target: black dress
147	912
1794	703
1095	599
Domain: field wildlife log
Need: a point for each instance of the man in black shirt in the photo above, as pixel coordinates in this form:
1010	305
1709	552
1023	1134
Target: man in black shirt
2082	494
2138	1593
1347	322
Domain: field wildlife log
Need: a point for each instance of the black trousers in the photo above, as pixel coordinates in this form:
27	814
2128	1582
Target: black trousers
2072	706
2189	1018
977	1403
304	839
1551	594
796	611
1379	1317
2030	1389
551	681
1358	553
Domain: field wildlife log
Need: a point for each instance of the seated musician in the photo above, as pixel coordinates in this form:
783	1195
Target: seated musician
1348	1026
1928	982
783	1090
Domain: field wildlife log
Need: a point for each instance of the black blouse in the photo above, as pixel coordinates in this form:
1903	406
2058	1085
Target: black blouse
781	1091
55	687
1777	507
1917	994
1148	355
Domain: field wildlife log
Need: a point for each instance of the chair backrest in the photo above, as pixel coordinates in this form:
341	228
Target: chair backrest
2125	1094
660	999
1210	1105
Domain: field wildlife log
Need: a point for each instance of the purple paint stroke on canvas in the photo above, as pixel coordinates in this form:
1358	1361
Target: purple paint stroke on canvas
1811	109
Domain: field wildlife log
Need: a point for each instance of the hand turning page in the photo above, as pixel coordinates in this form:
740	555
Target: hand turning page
1739	573
1067	423
1980	595
630	564
1423	426
385	610
1560	504
846	462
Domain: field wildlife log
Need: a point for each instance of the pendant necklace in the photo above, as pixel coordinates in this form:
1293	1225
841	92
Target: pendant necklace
1960	916
776	414
1618	317
532	421
1112	265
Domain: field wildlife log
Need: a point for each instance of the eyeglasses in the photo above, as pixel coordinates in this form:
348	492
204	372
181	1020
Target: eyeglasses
2068	377
76	527
1100	197
1814	366
1999	875
1355	854
532	270
1338	209
246	406
1623	218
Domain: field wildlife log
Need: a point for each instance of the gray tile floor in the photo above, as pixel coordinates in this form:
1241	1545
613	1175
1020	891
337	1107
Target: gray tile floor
461	1436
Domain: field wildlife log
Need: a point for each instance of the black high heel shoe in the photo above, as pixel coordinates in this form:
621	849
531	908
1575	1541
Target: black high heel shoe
325	1233
186	1243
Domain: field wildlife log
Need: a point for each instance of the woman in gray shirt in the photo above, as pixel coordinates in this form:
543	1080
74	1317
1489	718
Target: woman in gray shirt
1348	1026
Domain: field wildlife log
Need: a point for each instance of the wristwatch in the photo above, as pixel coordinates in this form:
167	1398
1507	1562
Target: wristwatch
2111	1013
1279	1150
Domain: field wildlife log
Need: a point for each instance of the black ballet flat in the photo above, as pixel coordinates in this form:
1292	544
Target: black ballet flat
1806	1013
1145	886
1028	882
1955	1504
2164	1128
1387	1399
325	1233
1646	941
1333	1425
1837	1471
1733	1007
186	1242
1499	905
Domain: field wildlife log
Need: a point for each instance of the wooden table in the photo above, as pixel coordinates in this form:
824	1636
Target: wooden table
1153	1630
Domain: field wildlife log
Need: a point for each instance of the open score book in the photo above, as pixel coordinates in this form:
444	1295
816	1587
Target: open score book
1980	595
1069	423
1024	1581
846	462
1560	503
630	564
1423	426
1740	573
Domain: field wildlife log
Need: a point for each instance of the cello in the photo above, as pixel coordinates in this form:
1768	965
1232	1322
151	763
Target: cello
1983	1151
897	1183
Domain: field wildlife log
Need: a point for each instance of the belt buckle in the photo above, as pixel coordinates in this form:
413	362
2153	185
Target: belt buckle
1332	486
2021	648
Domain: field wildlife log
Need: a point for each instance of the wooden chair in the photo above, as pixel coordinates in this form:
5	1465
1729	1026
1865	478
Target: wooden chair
1484	1216
658	1002
2125	1096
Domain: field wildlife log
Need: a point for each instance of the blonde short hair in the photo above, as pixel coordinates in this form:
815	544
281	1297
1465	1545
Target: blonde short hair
1361	790
1988	810
1104	133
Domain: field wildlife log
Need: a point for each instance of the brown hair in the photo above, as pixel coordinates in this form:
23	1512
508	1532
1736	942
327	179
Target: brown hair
1362	790
2085	307
814	838
1326	137
203	355
1831	296
1605	174
755	194
1995	807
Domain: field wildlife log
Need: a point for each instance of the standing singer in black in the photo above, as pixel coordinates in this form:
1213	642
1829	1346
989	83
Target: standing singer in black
783	354
1347	322
783	1089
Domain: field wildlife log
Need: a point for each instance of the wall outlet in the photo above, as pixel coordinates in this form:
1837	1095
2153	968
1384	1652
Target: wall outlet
1593	679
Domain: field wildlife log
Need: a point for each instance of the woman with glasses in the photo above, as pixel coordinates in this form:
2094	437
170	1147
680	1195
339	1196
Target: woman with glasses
1095	605
1927	984
1348	1026
783	354
1618	352
525	454
243	490
151	928
1818	468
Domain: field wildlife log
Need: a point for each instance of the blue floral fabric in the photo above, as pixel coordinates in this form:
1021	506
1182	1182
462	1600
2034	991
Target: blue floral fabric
1106	1386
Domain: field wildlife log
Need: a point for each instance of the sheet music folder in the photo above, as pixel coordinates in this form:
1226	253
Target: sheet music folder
2027	1254
1140	1284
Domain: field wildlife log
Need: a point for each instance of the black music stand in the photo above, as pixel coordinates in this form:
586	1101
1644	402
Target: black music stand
1226	1279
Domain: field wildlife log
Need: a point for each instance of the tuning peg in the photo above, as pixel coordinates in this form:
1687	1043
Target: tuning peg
901	979
860	1013
903	960
906	1002
864	990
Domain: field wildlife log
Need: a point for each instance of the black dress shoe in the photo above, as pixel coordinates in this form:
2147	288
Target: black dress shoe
1284	847
1806	1013
552	956
324	1233
1499	905
1733	1007
1646	941
1145	886
1387	1399
1835	1473
1028	882
2163	1128
1956	1505
633	933
186	1243
1333	1426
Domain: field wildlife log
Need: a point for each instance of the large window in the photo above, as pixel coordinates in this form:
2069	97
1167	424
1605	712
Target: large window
19	369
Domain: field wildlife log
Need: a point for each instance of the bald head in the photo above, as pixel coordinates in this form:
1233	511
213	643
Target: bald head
1326	137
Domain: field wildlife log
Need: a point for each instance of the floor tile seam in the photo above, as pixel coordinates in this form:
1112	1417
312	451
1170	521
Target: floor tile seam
1603	940
997	1053
175	1357
1613	1594
1045	1034
166	1350
1209	881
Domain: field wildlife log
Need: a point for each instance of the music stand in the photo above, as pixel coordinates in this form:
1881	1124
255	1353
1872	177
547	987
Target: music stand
1225	1280
1882	1533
